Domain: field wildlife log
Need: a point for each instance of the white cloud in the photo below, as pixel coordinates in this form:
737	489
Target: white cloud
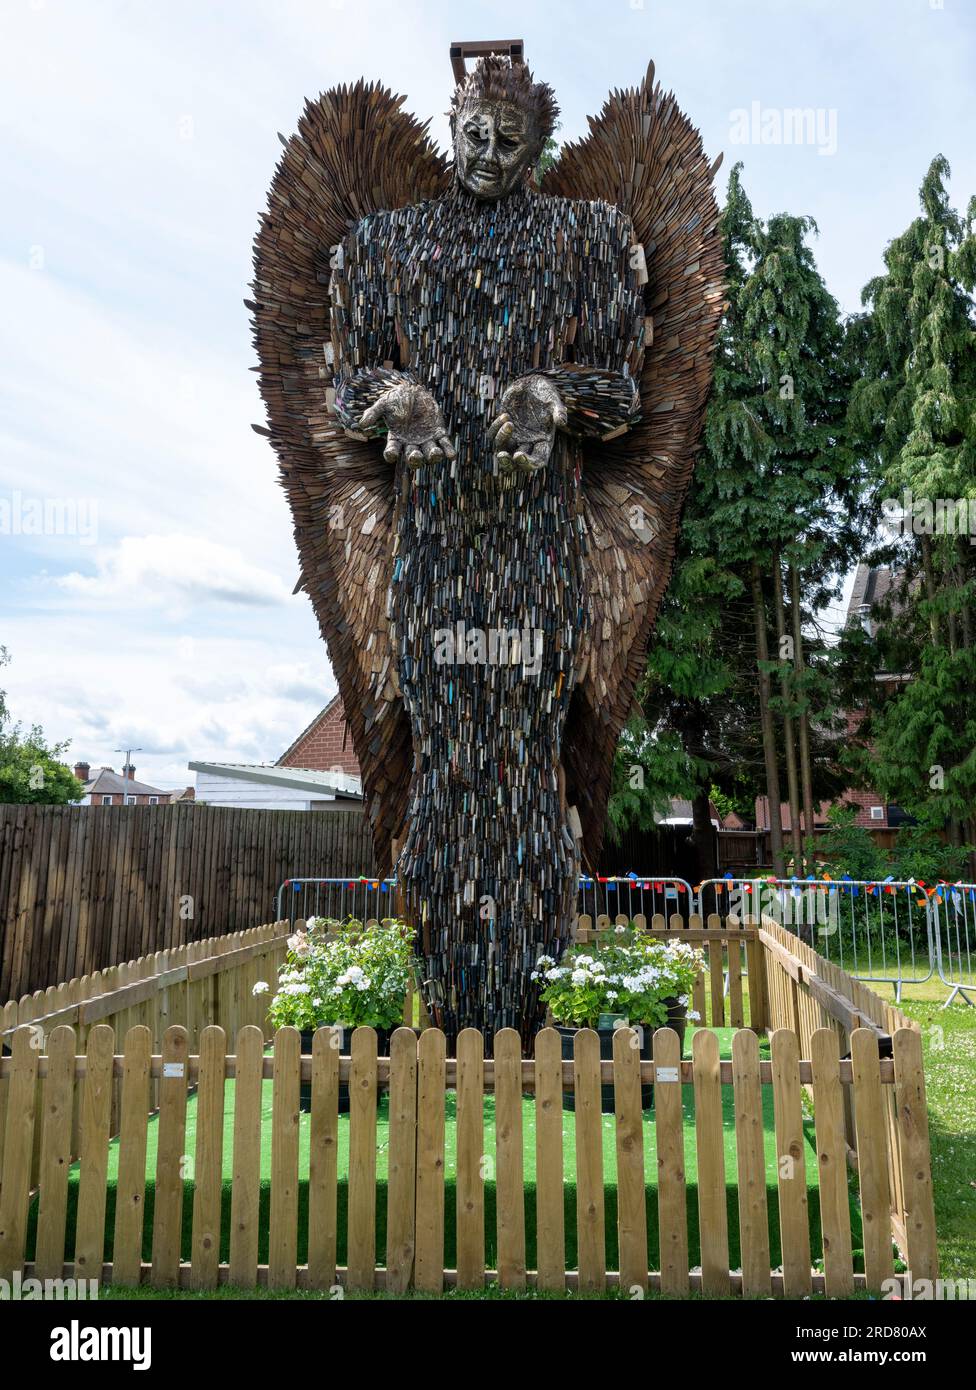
173	571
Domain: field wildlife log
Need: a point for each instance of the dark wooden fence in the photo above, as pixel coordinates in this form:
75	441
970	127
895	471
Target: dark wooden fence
83	887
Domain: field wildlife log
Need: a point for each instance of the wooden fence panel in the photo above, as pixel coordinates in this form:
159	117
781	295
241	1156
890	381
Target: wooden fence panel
323	1160
58	1109
672	1211
916	1158
751	1165
590	1217
246	1184
429	1254
470	1218
835	1218
401	1188
170	1154
550	1210
509	1175
208	1160
712	1212
18	1151
872	1167
794	1226
629	1133
283	1234
82	887
95	1126
130	1197
362	1159
886	1094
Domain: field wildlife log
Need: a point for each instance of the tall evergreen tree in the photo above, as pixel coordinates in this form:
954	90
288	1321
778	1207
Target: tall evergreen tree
916	402
771	489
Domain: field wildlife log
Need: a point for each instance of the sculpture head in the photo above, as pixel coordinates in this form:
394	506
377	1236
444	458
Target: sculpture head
500	121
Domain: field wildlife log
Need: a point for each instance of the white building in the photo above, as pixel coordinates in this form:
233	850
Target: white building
274	787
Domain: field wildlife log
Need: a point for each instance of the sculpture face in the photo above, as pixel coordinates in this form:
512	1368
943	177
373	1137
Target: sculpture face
494	146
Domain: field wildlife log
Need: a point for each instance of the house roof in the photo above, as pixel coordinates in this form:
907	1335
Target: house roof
297	778
107	782
308	728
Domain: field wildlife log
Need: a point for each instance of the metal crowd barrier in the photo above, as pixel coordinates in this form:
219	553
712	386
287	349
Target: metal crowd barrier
878	931
892	932
953	907
631	895
364	898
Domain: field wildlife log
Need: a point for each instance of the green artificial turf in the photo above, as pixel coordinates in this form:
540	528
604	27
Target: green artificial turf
569	1153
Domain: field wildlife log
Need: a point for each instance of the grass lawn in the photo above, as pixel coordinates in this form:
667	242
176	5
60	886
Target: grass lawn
529	1159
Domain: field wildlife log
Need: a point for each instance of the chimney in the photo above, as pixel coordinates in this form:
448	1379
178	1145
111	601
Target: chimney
129	771
82	771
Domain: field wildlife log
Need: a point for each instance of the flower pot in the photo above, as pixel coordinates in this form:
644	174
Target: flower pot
383	1036
676	1019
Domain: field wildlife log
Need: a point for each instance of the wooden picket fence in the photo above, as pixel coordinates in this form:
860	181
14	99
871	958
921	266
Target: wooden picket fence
808	994
45	1091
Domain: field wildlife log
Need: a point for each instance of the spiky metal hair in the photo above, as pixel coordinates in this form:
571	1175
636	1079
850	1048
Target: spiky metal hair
496	78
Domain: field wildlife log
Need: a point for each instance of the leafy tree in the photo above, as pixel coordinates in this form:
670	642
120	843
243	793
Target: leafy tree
771	499
914	402
31	770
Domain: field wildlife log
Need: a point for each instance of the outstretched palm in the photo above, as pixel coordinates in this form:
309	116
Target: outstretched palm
414	424
523	432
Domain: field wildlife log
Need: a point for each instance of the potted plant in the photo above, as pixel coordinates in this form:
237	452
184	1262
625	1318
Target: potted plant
346	976
624	979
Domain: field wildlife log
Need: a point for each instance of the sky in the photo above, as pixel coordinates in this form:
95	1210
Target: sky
146	556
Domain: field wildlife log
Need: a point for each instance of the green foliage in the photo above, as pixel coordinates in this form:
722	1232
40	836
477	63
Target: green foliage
921	853
622	974
776	478
354	976
31	769
848	848
914	406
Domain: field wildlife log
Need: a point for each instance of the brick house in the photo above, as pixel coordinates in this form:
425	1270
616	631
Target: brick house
110	788
325	745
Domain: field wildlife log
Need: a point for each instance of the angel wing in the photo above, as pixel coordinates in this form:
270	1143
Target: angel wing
644	156
356	151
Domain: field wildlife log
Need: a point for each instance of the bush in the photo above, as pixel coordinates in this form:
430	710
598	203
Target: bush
354	975
623	974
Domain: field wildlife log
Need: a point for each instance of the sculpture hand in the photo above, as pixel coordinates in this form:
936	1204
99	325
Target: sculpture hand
523	432
414	423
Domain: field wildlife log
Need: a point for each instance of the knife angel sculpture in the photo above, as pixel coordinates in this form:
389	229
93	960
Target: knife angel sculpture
486	400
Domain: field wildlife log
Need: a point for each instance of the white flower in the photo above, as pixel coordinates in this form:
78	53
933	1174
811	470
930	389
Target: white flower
694	1015
579	977
261	987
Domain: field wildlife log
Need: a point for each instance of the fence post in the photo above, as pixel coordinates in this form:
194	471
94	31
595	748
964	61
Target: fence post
916	1158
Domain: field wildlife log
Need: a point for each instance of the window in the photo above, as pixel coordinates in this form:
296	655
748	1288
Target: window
130	801
877	813
106	801
154	801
